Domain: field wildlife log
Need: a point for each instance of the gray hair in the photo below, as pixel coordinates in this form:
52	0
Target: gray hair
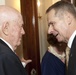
61	7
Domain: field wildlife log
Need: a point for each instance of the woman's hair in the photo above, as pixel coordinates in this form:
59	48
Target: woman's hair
54	42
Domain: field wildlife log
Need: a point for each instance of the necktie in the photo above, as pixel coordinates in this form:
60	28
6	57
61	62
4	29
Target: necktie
67	55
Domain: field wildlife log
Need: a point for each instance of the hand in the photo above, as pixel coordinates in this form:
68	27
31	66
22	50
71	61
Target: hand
26	61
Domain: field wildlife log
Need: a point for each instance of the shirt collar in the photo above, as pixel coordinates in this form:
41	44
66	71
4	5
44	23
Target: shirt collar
71	39
7	44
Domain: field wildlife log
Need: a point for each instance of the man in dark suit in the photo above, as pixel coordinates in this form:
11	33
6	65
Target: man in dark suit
11	31
61	18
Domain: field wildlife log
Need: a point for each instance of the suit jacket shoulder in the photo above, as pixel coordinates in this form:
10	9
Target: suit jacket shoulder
9	62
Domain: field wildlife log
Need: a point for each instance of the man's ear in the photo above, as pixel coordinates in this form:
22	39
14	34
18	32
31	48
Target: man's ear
5	28
69	18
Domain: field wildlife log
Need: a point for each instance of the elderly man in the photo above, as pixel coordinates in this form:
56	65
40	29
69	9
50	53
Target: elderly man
11	31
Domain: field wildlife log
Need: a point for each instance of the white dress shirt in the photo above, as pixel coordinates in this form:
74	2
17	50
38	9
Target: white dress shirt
7	44
71	39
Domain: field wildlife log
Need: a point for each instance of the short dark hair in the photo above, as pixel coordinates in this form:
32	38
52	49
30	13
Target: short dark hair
62	6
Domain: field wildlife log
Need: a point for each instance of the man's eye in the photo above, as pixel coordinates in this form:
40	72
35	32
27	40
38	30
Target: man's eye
51	24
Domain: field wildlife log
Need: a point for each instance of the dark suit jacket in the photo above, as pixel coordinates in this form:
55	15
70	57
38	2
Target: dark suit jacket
10	64
72	59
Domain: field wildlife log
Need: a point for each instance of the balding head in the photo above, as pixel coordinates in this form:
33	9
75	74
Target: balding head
11	23
8	13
